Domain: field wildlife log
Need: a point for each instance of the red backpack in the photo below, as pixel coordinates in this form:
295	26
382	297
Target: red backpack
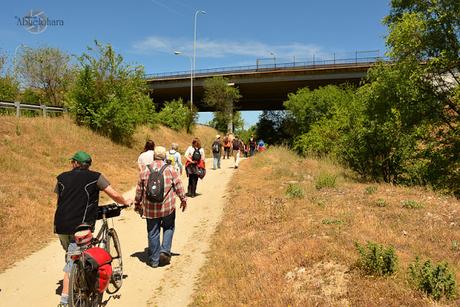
98	261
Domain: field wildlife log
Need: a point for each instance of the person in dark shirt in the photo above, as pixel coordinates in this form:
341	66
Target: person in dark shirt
252	145
78	200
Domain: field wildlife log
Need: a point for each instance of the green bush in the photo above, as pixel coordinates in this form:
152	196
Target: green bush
325	181
109	96
436	280
295	191
377	259
412	204
175	115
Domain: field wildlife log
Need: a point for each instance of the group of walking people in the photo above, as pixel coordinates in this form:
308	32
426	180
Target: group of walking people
233	146
159	170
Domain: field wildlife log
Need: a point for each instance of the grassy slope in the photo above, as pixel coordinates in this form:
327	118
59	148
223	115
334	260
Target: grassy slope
33	151
272	250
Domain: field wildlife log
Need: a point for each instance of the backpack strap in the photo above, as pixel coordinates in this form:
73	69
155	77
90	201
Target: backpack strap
162	169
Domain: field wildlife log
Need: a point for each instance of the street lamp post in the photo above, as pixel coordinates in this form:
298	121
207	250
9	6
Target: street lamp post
274	58
194	56
191	77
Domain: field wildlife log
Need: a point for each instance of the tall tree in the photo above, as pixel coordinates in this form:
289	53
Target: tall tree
220	122
47	70
220	95
9	87
428	32
110	96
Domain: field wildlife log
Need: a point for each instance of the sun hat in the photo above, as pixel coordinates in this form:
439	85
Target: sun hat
218	136
160	153
81	156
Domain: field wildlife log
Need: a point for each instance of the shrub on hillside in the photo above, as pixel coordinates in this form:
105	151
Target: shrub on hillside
175	115
325	181
377	259
109	96
412	204
436	280
295	191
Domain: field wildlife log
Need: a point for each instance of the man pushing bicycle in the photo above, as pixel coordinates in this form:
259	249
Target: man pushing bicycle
78	201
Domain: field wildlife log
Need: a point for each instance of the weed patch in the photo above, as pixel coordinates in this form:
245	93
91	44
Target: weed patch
412	204
332	222
436	280
294	190
381	202
370	189
325	180
377	259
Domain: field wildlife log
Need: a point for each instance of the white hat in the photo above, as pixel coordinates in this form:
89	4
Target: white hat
160	153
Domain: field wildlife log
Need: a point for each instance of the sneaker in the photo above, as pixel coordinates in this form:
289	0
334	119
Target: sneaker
152	265
165	259
63	305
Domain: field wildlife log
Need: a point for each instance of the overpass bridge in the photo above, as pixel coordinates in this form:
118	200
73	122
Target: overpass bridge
263	87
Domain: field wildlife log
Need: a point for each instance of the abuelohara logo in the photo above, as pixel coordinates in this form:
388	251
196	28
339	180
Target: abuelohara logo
36	22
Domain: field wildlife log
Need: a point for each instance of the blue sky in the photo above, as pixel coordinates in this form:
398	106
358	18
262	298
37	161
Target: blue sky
231	33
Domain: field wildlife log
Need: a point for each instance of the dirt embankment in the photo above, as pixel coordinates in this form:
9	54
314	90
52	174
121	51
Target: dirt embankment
33	151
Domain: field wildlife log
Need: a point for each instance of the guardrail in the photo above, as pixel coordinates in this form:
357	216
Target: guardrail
313	64
35	107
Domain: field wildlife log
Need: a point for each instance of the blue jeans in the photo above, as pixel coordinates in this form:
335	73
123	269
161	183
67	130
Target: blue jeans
216	160
153	236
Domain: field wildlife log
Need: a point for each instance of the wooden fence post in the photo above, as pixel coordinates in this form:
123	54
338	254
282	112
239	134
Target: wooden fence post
17	104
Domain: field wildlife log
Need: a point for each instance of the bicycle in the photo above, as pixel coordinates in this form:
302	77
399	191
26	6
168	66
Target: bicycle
82	291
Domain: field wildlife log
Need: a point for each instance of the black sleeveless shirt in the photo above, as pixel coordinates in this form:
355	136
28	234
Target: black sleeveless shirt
78	199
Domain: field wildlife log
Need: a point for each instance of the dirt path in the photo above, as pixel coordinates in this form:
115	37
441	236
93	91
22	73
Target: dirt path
35	281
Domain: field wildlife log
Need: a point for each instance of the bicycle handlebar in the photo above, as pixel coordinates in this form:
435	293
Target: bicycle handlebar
118	205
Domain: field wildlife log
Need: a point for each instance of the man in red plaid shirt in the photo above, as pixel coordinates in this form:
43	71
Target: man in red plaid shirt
160	214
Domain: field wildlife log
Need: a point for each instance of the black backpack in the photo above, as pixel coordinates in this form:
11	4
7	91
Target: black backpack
215	147
236	144
196	155
156	185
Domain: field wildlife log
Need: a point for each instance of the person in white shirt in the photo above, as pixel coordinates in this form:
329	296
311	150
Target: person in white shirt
173	158
195	161
146	157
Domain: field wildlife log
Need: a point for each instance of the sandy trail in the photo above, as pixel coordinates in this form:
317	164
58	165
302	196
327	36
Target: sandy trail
35	281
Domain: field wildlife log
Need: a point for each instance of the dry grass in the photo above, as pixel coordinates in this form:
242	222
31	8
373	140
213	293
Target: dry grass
33	151
276	250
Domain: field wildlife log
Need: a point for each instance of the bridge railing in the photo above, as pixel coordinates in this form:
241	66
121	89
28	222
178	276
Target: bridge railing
314	64
34	107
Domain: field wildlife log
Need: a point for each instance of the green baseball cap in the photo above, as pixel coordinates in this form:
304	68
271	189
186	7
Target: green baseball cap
81	156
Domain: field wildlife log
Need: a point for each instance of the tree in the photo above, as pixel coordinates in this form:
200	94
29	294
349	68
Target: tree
9	87
110	96
275	127
47	70
428	32
221	96
220	122
175	115
321	117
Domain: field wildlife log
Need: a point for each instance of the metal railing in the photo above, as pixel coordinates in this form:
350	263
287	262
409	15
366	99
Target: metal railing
34	107
358	59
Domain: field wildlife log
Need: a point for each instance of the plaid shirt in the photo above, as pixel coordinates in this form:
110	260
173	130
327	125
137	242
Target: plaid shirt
173	184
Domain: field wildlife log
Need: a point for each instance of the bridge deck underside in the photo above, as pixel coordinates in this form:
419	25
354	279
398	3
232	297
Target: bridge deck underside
259	91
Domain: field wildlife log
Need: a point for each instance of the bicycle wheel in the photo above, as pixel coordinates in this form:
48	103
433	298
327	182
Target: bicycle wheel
80	294
114	249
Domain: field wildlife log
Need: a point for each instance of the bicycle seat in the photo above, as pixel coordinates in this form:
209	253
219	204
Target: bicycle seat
83	234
